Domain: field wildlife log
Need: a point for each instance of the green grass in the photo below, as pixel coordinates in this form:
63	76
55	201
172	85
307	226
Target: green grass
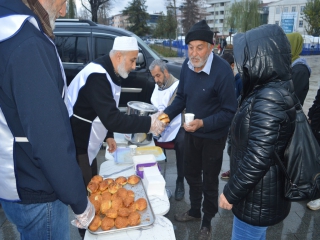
163	51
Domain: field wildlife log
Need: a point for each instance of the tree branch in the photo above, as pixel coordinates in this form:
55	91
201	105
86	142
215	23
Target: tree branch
85	6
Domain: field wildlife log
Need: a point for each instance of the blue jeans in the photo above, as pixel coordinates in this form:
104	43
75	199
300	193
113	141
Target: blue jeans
245	231
39	221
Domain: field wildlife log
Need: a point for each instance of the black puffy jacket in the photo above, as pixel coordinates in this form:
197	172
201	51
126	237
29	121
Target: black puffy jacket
263	124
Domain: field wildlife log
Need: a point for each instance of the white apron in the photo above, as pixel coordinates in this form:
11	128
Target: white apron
160	100
98	131
10	26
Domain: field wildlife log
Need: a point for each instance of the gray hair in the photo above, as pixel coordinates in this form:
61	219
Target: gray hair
113	52
160	63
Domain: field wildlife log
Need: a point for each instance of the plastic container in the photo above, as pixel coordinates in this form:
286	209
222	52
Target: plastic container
142	166
139	159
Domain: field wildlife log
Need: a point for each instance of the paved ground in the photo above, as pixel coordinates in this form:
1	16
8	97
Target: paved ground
301	224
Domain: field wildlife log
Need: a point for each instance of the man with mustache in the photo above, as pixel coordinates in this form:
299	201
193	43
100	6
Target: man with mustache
163	94
206	89
39	175
93	98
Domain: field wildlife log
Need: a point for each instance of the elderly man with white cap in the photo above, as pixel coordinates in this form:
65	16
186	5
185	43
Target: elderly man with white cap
93	98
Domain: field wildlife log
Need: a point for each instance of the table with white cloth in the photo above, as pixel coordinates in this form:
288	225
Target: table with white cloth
162	227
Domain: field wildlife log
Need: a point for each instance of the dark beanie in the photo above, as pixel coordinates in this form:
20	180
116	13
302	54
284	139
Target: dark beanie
200	31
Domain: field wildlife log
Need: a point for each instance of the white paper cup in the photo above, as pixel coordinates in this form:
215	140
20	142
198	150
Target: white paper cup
188	117
133	149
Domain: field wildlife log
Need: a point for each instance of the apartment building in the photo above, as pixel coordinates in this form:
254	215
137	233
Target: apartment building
288	14
217	14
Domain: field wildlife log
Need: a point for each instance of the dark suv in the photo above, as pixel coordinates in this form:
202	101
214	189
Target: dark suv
81	41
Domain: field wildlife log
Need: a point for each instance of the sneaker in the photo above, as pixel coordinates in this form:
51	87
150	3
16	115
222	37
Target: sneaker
205	233
179	192
185	217
314	205
225	175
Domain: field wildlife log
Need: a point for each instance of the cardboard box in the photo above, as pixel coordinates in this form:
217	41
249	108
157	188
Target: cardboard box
139	159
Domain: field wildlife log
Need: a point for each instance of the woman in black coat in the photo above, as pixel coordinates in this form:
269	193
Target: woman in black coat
263	124
300	69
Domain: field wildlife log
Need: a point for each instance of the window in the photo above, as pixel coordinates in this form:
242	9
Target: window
277	23
72	49
221	21
103	45
285	9
293	9
301	9
300	23
216	13
221	12
277	10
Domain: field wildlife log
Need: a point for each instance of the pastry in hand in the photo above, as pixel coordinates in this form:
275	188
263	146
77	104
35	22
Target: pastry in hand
133	179
107	223
95	224
164	118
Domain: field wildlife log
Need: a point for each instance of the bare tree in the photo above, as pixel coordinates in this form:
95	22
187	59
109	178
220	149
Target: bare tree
94	7
190	14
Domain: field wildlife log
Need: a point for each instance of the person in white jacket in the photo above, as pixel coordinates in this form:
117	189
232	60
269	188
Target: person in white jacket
163	94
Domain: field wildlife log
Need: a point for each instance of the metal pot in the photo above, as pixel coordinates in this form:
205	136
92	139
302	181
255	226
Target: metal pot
141	109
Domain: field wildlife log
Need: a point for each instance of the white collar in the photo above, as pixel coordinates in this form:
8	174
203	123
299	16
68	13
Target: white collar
207	66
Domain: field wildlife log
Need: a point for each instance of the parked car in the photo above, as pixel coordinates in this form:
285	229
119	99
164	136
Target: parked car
81	41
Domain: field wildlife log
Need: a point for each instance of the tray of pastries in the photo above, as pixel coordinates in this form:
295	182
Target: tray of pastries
120	204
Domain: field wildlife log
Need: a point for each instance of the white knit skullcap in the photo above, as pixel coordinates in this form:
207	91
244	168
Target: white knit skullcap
125	44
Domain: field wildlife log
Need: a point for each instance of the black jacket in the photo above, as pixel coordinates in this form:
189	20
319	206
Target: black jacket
300	78
263	124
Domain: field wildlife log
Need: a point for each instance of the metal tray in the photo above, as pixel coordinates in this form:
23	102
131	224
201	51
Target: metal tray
147	215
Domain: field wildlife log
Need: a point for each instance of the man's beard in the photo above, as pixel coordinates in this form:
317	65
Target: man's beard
52	12
202	61
165	80
121	69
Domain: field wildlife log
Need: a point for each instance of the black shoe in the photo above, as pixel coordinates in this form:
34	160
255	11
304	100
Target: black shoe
179	192
205	233
184	217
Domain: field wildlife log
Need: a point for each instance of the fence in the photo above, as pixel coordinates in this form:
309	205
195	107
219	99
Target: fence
310	49
182	49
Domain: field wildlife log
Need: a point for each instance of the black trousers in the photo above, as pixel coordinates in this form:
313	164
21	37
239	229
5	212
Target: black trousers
179	148
87	171
203	160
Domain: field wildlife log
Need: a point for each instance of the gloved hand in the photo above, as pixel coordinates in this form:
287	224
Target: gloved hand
157	126
83	220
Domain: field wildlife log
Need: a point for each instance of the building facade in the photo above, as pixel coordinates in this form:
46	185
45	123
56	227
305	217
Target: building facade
289	15
217	14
